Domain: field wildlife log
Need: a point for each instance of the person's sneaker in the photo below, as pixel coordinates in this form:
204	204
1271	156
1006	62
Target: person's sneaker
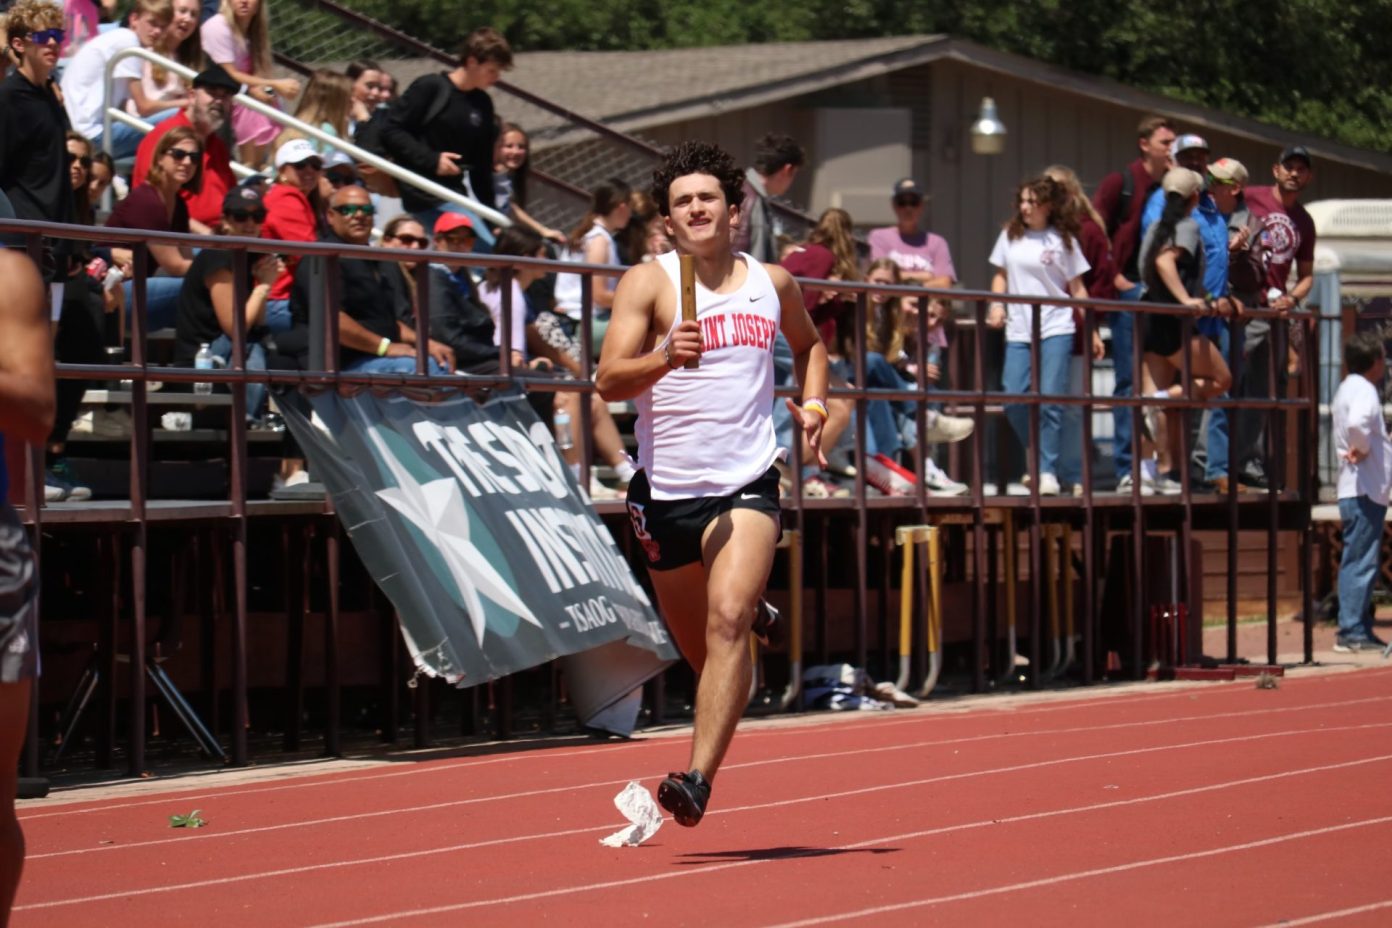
819	487
1346	645
60	485
768	625
1374	638
945	428
1048	485
938	483
1164	484
1125	483
685	795
600	491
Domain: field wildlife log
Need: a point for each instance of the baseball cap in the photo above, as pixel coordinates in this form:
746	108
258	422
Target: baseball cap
337	158
217	77
448	222
1228	171
1182	181
1296	151
241	199
1187	141
906	187
296	151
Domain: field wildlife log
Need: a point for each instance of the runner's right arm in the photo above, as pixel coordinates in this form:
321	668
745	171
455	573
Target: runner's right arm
627	367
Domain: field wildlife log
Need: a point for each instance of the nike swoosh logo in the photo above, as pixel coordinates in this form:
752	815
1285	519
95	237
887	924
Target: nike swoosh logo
753	299
749	496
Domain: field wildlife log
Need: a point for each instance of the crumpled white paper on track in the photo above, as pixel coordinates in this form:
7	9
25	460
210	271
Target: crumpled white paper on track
638	806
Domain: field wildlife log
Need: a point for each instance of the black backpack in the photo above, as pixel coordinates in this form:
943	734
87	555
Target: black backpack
368	135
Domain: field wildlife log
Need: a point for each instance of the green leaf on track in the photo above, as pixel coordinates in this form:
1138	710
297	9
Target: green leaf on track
187	821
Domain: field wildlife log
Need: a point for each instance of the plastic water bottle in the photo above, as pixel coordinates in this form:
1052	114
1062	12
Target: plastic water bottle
203	361
563	439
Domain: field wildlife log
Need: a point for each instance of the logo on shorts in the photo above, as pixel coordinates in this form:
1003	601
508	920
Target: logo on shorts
749	496
639	519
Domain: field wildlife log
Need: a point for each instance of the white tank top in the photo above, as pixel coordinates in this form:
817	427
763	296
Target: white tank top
709	431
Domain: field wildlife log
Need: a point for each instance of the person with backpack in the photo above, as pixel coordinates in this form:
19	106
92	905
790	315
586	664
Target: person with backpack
1209	458
443	128
1119	199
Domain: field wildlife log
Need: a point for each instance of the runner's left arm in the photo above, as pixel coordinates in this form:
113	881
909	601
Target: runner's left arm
26	352
809	357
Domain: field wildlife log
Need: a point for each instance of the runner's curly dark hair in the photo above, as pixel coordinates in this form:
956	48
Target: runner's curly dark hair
697	158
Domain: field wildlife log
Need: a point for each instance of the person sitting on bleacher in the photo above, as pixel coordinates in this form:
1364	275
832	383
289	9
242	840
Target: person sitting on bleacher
371	339
84	78
206	299
206	112
157	206
294	213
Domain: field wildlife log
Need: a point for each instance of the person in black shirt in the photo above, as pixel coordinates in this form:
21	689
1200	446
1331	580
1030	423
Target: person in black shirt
34	177
443	127
206	299
371	337
33	123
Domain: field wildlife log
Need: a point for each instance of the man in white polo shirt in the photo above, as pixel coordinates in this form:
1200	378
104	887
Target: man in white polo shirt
1360	439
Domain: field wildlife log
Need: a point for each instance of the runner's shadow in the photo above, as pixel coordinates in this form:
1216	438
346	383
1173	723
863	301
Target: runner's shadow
776	853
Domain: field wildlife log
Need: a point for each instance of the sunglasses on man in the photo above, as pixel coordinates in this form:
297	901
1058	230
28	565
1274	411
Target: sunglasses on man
84	160
343	180
356	209
243	215
44	36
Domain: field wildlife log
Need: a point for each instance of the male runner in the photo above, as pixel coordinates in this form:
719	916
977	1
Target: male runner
26	415
705	502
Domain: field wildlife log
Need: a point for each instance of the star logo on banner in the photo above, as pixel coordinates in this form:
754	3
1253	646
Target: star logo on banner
437	509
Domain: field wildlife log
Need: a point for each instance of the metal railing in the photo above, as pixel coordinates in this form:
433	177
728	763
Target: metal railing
587	152
977	515
362	156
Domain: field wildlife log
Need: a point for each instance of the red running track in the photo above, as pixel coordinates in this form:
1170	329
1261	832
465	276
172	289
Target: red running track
1215	805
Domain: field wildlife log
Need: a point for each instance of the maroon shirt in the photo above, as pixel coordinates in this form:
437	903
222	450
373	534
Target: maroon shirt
817	262
1101	275
1125	230
1287	237
144	209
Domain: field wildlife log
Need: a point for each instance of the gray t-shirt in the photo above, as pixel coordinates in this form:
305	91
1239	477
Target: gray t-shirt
1189	263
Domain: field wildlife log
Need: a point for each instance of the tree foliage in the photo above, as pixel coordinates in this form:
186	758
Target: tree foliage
1319	66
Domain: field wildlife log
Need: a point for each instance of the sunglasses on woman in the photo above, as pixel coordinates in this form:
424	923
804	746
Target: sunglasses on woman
242	215
84	160
356	209
411	241
182	154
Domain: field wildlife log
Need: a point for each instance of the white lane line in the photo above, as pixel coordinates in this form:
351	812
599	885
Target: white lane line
464	765
567	891
525	794
1088	874
404	855
747	735
1331	916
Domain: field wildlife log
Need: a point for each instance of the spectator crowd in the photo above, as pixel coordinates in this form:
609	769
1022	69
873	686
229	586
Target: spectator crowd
1174	226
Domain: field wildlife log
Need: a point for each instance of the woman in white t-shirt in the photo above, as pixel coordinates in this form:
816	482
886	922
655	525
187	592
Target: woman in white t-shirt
1037	255
592	242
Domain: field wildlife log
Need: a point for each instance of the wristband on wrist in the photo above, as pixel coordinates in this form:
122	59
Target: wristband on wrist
817	405
382	347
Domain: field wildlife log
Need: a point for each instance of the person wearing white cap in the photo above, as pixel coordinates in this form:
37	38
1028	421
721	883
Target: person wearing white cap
294	213
1172	268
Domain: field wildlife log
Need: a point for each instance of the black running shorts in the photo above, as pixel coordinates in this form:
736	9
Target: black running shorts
670	530
19	614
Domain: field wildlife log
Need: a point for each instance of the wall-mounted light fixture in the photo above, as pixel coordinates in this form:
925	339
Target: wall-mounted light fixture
988	132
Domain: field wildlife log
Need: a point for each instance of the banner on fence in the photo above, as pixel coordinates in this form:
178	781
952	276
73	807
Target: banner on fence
473	526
